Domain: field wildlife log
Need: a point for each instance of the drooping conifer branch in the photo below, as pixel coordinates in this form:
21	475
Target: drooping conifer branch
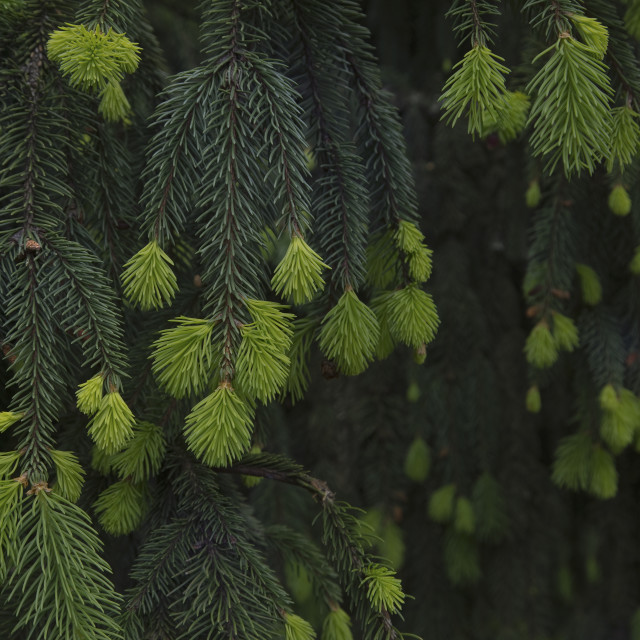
342	535
284	131
379	136
96	320
470	20
230	233
228	582
339	198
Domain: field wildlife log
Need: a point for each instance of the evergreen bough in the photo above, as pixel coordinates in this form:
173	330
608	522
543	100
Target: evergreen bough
136	367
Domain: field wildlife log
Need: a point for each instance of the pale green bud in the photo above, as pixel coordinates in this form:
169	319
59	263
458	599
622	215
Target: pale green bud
89	395
465	520
590	284
533	401
337	625
619	201
418	460
9	418
533	195
441	503
541	349
565	332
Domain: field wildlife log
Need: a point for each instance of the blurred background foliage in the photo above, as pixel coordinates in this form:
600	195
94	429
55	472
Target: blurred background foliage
453	472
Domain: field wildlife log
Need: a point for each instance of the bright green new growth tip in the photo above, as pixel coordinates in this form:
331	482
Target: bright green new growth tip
337	625
477	86
95	60
9	418
299	275
112	426
114	105
69	474
89	395
121	507
263	362
570	114
218	429
384	590
297	628
92	58
412	316
410	239
183	356
148	279
350	333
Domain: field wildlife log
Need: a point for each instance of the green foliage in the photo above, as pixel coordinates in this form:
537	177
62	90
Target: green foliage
604	477
183	356
461	559
619	201
476	89
350	333
572	466
148	279
565	332
464	520
69	474
384	590
412	316
8	463
8	419
625	138
89	395
55	529
298	582
262	367
208	162
140	460
91	58
589	284
541	350
111	427
593	33
386	341
409	239
218	429
392	547
620	417
582	465
632	19
114	105
382	259
533	195
533	400
298	275
513	115
337	625
418	460
11	497
297	628
441	503
121	507
298	380
570	112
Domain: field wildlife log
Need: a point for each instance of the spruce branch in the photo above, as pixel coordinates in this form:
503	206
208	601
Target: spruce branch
470	20
56	529
342	536
38	376
570	113
96	319
340	197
